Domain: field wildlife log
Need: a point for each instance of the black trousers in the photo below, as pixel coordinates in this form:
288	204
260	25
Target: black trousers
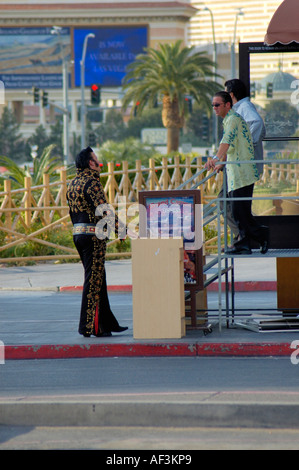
96	315
249	228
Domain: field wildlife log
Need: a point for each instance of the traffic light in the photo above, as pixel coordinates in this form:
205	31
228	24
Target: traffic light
95	94
44	98
188	101
35	92
269	90
136	108
205	128
252	90
92	139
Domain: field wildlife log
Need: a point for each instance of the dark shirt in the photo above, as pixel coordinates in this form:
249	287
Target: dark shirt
84	194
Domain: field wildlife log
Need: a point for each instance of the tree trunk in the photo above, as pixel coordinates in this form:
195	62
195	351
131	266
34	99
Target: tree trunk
173	121
173	139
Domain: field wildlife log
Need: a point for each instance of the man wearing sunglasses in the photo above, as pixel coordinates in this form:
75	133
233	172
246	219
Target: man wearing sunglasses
237	146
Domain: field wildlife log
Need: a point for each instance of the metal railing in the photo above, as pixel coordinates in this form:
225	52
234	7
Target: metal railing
221	264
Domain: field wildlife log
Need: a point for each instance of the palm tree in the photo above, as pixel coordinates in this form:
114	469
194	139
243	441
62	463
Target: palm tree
170	74
129	150
45	164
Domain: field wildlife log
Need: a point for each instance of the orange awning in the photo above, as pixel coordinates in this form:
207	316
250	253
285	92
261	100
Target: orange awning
284	25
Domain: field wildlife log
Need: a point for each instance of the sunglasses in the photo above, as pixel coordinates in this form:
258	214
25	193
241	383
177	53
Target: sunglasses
216	105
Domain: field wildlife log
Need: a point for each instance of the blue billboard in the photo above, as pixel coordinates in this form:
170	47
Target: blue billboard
108	53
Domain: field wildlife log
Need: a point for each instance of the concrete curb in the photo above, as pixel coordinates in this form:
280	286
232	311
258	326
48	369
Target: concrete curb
167	349
98	413
243	286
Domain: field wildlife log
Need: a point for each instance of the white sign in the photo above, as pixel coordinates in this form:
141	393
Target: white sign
154	136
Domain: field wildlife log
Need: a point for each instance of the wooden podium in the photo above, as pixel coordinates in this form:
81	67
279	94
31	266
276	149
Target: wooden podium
158	288
287	270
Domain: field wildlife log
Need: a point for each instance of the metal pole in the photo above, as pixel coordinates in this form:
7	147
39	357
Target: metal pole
232	51
82	70
215	119
66	115
57	30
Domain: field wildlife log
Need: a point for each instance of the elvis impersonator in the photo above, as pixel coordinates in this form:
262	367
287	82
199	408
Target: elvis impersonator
85	194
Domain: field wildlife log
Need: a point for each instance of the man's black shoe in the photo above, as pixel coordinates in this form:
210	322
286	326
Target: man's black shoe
245	250
119	329
264	245
98	335
103	334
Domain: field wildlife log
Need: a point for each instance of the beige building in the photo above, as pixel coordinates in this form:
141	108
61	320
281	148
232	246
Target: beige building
163	20
251	27
243	21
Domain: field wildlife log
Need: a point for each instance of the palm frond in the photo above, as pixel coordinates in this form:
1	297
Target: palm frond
45	164
170	72
14	172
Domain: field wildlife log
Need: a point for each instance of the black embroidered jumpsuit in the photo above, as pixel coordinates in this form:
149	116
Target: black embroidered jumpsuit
85	193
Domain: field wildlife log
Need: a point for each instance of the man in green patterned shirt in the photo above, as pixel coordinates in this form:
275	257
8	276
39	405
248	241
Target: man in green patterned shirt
237	146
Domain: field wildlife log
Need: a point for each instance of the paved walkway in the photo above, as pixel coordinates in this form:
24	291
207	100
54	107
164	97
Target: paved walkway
37	321
255	276
119	273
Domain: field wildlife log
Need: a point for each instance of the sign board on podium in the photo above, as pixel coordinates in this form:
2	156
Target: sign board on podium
158	288
176	214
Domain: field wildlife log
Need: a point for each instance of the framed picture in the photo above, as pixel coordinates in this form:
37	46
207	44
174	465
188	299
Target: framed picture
176	214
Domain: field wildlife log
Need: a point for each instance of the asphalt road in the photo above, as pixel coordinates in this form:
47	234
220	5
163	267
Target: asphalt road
154	384
136	402
137	375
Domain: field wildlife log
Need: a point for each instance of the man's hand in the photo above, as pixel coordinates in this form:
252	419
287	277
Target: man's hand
210	165
219	167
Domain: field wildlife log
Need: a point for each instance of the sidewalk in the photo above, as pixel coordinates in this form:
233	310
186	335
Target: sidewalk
257	271
255	280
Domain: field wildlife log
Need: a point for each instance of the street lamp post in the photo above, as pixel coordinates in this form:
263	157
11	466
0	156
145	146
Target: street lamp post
233	51
214	39
57	30
215	119
82	70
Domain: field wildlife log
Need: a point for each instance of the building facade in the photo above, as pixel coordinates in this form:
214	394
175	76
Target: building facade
243	21
31	56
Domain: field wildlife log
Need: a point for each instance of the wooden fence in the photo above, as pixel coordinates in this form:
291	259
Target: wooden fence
33	213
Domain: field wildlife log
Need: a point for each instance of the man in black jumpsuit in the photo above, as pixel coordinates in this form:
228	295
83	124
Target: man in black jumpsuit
85	193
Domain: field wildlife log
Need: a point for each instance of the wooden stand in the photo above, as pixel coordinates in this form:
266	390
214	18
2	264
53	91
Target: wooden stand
196	309
287	270
158	288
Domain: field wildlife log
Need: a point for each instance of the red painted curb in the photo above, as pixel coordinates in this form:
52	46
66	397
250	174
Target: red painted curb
98	350
123	288
147	350
70	288
246	286
244	349
243	286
